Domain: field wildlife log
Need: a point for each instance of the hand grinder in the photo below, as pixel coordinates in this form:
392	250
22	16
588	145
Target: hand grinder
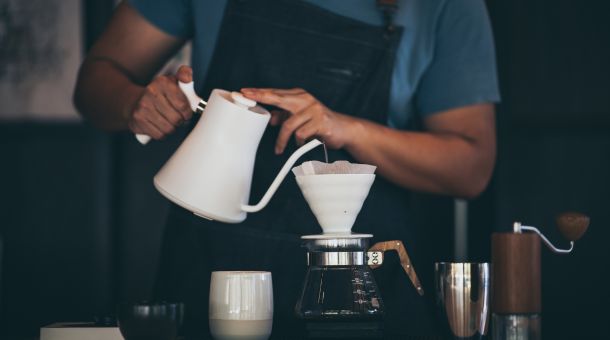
516	303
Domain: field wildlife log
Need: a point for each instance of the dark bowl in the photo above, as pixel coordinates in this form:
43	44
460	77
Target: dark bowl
150	320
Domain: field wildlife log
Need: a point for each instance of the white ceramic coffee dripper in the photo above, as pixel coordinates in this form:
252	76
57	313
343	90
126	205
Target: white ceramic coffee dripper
210	173
334	198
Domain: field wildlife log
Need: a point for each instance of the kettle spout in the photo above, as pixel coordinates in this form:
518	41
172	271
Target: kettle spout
280	176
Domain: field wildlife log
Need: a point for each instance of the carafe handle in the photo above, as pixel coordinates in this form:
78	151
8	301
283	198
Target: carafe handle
280	176
405	261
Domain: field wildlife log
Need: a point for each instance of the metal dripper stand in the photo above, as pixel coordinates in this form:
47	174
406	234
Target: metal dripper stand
516	302
340	298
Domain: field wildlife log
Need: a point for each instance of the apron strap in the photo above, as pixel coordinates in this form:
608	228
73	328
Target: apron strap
388	9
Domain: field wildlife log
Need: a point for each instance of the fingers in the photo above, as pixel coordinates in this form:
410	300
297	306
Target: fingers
167	118
292	100
278	117
296	90
308	117
178	100
306	131
295	101
175	96
185	74
148	116
144	126
162	107
288	128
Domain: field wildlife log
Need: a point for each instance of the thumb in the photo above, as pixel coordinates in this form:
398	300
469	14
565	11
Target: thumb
185	74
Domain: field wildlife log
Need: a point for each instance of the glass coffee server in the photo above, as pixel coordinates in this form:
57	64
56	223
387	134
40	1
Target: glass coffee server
340	296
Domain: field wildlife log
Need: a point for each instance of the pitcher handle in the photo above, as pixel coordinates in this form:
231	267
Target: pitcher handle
405	261
194	100
280	176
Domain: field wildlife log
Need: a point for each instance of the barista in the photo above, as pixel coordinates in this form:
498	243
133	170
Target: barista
356	75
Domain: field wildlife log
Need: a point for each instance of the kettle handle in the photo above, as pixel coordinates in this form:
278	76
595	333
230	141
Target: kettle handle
280	176
405	261
194	100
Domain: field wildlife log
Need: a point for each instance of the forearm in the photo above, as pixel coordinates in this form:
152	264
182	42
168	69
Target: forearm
435	162
105	94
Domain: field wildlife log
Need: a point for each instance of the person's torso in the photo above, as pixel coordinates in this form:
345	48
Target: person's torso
264	43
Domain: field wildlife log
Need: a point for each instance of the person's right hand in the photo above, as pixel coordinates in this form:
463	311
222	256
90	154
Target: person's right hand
162	106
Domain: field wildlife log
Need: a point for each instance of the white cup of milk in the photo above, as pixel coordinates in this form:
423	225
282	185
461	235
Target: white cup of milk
241	305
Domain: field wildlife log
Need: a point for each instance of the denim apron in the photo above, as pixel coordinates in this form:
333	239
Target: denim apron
347	65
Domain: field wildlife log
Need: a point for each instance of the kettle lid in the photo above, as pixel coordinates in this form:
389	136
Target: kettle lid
242	101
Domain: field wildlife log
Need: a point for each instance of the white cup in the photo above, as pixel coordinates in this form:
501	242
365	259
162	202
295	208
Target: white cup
241	305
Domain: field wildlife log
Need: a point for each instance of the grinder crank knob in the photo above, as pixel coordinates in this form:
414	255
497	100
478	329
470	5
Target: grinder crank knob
572	225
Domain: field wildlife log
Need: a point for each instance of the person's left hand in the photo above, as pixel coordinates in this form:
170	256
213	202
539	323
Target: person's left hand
304	116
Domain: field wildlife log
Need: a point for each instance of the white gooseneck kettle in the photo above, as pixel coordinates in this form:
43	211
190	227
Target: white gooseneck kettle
211	171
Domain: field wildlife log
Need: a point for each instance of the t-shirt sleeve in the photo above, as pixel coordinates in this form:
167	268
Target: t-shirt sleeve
171	16
463	69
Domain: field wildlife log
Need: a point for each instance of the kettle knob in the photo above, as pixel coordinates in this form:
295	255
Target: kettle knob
242	101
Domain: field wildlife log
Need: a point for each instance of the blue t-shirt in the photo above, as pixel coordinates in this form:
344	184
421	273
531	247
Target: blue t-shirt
445	59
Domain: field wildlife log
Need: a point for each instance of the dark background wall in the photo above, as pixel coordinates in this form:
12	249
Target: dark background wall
554	147
81	222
